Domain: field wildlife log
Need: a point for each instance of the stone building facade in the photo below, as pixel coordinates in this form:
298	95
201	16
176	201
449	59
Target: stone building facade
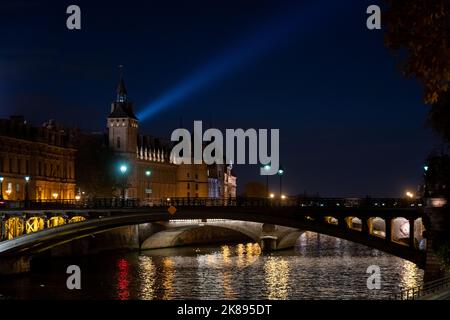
36	162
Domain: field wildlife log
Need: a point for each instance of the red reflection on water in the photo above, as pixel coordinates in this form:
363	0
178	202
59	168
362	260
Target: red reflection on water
122	279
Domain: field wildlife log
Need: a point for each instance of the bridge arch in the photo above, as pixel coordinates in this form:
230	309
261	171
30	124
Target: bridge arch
400	230
55	221
194	235
35	224
353	223
14	226
75	219
377	227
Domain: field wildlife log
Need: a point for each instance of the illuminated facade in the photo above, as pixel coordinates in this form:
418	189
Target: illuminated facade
150	171
221	181
36	162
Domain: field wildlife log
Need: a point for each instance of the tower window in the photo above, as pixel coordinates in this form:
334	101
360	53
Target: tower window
118	142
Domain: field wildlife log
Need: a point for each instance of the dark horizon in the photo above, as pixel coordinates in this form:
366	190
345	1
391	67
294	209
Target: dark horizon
350	124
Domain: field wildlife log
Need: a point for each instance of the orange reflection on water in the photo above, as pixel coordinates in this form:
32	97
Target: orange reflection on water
169	275
276	276
147	277
409	275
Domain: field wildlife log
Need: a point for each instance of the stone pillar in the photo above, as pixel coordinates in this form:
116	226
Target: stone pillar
342	222
388	229
364	226
268	244
268	239
436	221
411	233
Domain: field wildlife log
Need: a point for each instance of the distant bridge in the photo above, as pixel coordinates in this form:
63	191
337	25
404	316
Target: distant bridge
390	225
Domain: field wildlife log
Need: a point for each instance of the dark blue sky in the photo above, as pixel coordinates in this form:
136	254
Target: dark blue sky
349	123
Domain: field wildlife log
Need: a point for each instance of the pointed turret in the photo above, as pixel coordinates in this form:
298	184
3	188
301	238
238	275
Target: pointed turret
122	108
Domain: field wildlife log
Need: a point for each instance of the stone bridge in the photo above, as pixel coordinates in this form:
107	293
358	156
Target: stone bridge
390	225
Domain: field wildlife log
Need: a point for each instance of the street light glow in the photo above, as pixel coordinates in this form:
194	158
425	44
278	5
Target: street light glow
148	173
123	168
267	167
409	194
272	196
27	179
1	179
283	197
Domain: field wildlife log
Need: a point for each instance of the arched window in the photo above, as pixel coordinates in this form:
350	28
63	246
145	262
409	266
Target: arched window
118	142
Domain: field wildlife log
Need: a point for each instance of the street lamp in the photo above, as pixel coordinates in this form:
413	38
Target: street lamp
123	170
148	173
267	168
27	180
1	188
280	174
409	194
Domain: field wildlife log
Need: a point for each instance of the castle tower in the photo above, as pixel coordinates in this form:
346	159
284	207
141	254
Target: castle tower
122	123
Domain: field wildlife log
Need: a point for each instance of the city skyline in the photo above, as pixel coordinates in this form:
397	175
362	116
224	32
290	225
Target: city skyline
336	137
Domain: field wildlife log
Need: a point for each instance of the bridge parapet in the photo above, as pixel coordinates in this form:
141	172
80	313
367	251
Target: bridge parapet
299	202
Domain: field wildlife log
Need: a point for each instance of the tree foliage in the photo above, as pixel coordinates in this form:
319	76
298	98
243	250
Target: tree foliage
419	31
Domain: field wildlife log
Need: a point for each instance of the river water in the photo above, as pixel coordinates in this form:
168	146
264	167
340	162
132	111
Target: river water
320	267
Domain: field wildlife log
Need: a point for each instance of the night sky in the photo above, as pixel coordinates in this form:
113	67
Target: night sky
350	124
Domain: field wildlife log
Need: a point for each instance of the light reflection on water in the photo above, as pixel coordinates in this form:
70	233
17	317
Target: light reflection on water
320	267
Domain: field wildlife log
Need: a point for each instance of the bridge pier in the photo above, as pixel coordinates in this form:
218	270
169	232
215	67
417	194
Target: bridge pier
437	222
388	230
364	226
412	242
268	243
14	265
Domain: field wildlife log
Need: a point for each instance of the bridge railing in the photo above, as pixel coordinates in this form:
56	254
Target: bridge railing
69	204
110	203
422	290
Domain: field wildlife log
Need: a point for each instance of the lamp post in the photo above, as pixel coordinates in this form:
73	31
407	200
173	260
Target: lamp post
27	197
1	188
267	168
280	174
123	170
148	173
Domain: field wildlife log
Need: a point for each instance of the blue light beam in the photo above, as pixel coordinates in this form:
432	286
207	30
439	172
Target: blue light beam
266	38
